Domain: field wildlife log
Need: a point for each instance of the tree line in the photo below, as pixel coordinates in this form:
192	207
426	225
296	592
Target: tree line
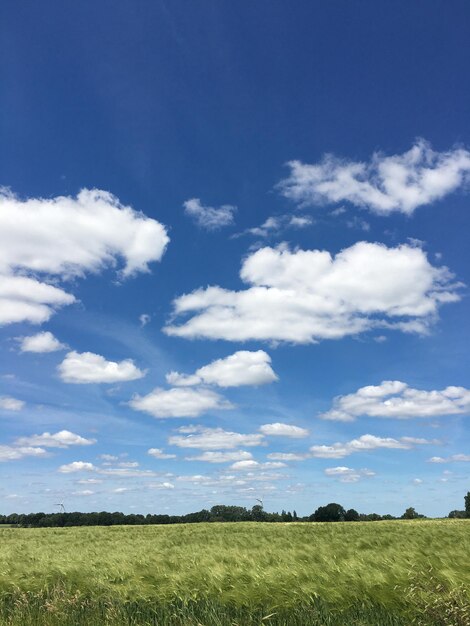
332	512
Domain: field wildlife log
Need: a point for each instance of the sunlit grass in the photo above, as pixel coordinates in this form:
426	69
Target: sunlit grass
298	573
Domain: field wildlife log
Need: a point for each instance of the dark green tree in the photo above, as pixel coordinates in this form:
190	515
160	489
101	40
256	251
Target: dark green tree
351	515
467	504
332	512
410	513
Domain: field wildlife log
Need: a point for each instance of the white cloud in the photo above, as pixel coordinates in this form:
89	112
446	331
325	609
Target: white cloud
394	399
179	402
45	239
89	481
86	367
214	439
123	472
245	465
41	342
455	458
364	444
304	296
83	492
108	457
11	404
61	439
287	456
144	319
165	485
284	430
417	481
255	465
348	475
241	368
221	457
10	453
274	225
207	217
127	464
401	182
25	299
158	453
77	466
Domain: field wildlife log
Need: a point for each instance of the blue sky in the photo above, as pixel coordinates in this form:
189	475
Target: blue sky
234	235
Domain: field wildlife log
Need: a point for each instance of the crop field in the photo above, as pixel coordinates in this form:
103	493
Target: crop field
382	573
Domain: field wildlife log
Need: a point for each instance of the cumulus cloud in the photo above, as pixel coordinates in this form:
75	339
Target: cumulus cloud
385	184
241	368
303	296
455	458
41	342
348	475
86	367
214	439
394	399
11	404
221	457
61	439
158	453
207	217
249	465
278	429
45	239
287	456
11	453
365	443
108	457
179	402
77	466
164	485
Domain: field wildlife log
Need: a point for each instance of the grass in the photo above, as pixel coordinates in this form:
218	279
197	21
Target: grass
387	573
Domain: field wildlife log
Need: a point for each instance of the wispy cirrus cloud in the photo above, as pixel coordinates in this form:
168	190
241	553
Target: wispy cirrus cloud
208	217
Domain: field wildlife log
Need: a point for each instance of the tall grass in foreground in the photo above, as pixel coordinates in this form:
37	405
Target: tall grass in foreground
369	574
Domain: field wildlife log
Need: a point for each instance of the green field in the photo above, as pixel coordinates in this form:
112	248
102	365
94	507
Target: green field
382	573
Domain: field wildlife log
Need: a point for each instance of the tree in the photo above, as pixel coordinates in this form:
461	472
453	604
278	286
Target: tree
457	514
330	513
258	514
467	504
351	516
410	513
